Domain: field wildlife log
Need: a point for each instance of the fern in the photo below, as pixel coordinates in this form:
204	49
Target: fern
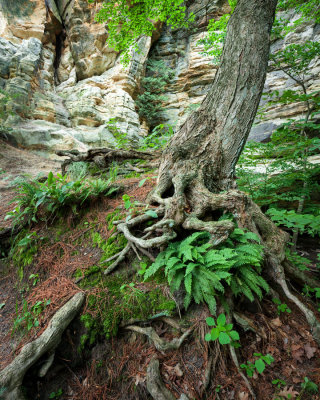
204	272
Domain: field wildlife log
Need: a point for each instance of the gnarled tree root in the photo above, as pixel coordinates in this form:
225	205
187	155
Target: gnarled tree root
236	363
159	343
155	384
11	377
101	157
279	278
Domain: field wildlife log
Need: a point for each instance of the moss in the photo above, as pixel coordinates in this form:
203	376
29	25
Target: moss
114	216
23	249
119	300
113	244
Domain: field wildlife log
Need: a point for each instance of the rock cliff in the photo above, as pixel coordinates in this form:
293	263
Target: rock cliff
65	84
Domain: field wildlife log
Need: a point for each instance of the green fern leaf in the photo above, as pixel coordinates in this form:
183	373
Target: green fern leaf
211	301
187	300
160	262
170	263
188	283
176	281
190	268
252	236
197	292
172	272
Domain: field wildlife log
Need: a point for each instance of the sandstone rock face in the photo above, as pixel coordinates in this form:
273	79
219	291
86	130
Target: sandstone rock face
194	72
65	84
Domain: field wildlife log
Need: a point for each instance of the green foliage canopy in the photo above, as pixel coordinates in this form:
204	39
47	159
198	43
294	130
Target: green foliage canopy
127	21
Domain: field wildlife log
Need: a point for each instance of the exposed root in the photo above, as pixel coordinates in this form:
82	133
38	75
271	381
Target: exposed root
300	276
135	250
101	157
236	363
11	377
279	278
159	343
247	324
147	243
219	230
146	253
155	384
120	258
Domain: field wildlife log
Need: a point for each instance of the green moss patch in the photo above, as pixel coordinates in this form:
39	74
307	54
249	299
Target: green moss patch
118	300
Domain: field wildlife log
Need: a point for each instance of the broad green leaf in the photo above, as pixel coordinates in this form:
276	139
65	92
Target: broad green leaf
221	320
234	335
210	321
215	333
50	178
224	338
141	183
260	365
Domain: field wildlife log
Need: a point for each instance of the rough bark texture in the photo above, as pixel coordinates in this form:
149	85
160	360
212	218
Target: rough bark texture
204	152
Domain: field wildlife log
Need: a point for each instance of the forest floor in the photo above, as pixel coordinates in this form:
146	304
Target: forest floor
69	258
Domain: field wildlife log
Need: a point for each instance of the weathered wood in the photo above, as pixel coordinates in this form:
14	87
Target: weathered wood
11	377
102	157
207	147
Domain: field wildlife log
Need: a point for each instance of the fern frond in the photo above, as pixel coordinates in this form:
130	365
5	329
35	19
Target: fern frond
188	283
250	249
172	272
252	236
212	303
170	263
160	262
211	280
190	268
176	281
197	292
187	300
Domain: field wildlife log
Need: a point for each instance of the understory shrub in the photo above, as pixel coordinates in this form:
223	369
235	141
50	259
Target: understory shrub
149	102
205	271
41	201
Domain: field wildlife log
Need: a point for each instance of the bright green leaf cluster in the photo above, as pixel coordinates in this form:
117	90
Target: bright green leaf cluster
205	271
57	193
259	365
222	331
126	22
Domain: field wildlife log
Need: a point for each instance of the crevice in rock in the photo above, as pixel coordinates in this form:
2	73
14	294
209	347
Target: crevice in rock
60	38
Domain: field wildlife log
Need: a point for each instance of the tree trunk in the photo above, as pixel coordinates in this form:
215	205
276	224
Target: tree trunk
196	181
204	152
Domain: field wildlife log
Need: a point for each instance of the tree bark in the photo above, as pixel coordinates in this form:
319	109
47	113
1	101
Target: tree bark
204	152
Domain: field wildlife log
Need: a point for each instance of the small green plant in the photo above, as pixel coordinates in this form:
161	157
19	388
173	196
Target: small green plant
23	249
302	263
78	170
158	138
259	365
278	383
282	307
37	200
29	317
150	101
35	279
305	223
222	331
56	395
204	271
309	387
121	138
143	268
